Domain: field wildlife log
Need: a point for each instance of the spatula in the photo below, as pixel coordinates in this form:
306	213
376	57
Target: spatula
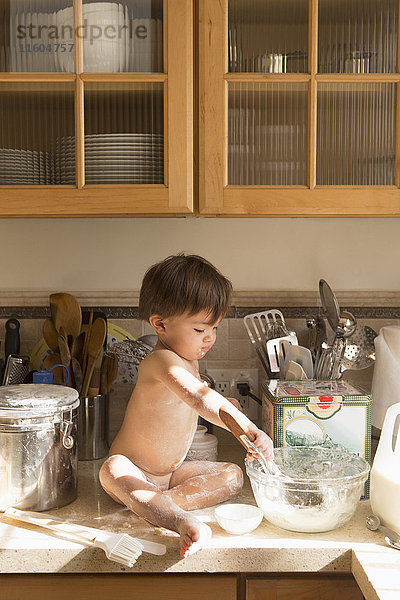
294	372
66	313
237	427
301	356
95	345
273	350
257	326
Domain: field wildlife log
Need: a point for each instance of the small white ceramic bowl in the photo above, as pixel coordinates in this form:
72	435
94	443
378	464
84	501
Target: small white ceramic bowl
238	518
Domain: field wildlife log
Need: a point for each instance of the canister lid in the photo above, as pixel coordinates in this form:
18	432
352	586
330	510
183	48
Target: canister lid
37	399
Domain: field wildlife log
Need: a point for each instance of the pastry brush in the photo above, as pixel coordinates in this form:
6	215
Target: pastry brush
119	547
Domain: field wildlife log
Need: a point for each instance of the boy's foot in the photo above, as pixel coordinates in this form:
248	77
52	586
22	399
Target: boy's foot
194	535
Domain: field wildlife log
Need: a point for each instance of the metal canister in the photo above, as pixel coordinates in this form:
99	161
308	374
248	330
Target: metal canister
38	446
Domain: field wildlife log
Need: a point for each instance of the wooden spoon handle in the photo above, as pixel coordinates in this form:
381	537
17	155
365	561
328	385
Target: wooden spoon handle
86	343
237	425
88	375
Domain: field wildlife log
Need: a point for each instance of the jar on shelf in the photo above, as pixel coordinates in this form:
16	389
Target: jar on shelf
204	445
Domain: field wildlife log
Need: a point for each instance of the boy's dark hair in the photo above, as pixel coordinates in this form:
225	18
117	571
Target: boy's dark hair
182	284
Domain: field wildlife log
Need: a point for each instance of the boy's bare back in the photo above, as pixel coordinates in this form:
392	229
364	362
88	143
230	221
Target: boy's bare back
158	427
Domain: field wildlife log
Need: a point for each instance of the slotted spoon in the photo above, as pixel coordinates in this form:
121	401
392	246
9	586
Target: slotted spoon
360	349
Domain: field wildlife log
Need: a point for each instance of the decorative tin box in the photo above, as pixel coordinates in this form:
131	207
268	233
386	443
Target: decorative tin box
310	412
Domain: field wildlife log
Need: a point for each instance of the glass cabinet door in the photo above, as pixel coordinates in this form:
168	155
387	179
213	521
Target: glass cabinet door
123	37
299	107
39	36
37	134
124	133
267	134
356	134
96	96
268	37
357	36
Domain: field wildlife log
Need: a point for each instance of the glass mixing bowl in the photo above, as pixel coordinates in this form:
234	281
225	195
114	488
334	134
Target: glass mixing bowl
318	490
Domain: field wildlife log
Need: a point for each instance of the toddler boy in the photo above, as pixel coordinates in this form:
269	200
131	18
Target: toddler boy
183	298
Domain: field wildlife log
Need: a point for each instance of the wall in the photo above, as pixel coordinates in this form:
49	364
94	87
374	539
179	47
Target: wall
257	254
106	257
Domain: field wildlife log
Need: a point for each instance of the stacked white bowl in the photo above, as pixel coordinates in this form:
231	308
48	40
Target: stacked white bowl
105	37
50	45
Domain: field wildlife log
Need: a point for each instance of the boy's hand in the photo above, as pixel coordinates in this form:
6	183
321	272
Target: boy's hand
263	443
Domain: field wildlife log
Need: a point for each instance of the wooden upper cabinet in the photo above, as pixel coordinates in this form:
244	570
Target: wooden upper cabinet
299	108
96	108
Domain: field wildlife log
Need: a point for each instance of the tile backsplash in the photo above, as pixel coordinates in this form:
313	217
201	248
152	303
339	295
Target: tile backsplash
233	348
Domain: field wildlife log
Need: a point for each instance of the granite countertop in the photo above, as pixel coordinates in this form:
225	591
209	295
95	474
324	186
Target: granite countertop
349	549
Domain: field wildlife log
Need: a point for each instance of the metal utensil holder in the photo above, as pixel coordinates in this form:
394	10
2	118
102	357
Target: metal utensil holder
93	424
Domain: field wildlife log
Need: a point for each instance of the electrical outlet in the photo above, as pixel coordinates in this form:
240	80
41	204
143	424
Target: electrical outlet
223	387
226	381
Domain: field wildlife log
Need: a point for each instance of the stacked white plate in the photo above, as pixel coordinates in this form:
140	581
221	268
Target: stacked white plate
113	158
129	158
123	158
26	167
64	161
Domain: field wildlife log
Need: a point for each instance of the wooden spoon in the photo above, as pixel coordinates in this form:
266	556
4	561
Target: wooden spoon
94	387
77	347
67	313
96	314
95	344
50	334
76	374
87	330
65	356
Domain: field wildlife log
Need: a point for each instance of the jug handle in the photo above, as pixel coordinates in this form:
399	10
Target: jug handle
385	442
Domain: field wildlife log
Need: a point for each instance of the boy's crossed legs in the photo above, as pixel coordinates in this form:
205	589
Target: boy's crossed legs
194	485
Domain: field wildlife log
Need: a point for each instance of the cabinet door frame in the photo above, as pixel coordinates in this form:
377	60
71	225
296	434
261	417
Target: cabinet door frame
216	197
175	196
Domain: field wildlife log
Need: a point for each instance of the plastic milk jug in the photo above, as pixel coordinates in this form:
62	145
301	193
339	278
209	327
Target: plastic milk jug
385	473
